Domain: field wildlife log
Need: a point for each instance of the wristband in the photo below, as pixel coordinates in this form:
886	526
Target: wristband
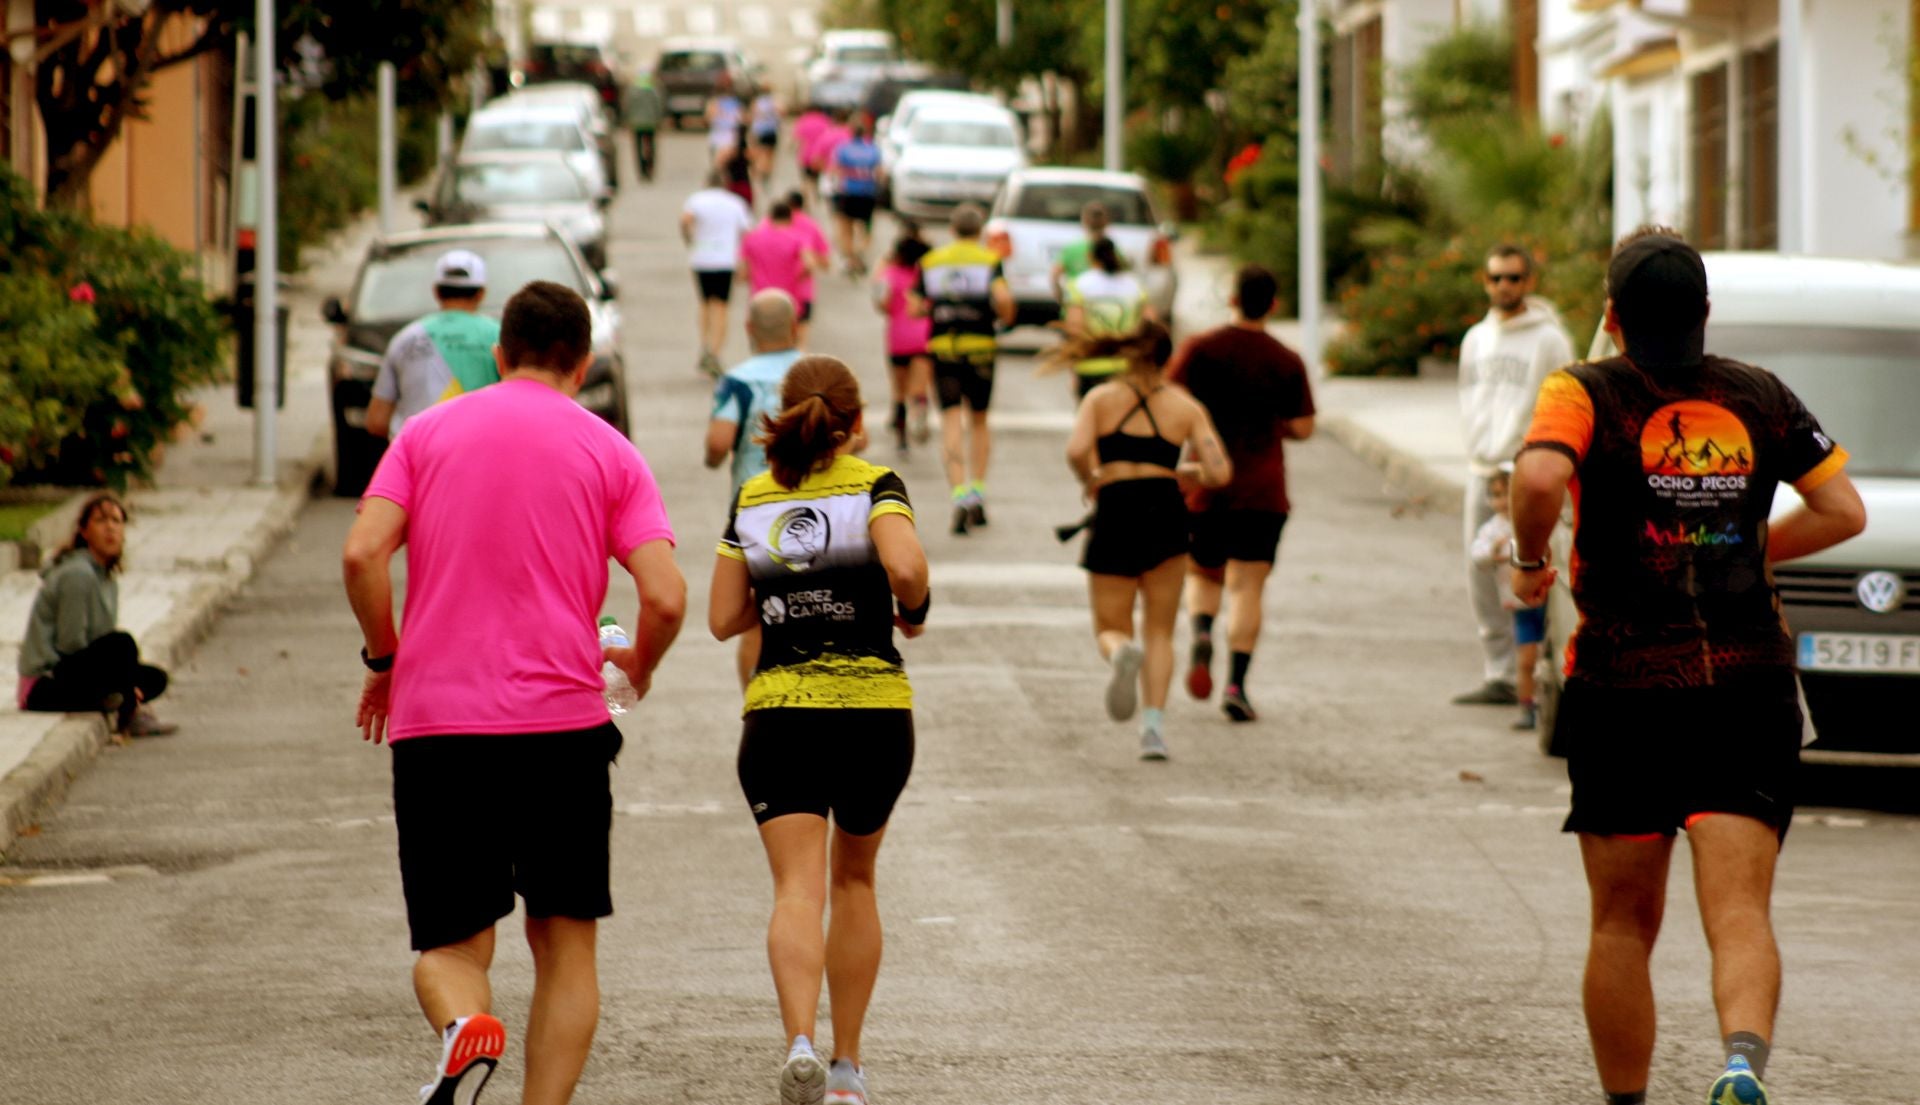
379	665
1513	560
917	615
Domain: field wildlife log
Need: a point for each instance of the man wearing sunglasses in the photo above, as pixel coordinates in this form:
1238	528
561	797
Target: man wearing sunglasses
1503	360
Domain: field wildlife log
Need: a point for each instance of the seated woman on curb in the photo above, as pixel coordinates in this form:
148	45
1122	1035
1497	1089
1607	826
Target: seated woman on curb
73	658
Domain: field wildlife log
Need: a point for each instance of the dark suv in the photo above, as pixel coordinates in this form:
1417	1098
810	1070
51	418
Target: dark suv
568	61
691	72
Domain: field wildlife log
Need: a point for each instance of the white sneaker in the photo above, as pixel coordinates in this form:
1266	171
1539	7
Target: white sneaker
803	1081
1152	745
471	1050
1123	689
846	1084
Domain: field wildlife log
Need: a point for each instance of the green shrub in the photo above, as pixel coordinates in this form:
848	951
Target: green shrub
330	168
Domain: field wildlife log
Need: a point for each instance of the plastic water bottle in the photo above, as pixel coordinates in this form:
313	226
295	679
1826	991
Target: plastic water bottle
620	693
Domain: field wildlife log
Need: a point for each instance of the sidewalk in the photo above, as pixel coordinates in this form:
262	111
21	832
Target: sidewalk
1408	427
193	541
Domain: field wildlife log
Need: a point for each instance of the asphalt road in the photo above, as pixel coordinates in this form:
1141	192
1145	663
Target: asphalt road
1363	897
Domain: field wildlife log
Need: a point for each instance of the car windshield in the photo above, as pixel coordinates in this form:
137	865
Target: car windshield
687	61
963	132
1064	202
399	286
518	182
1863	385
525	132
862	55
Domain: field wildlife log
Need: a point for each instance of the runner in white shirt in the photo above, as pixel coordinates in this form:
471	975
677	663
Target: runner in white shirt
712	223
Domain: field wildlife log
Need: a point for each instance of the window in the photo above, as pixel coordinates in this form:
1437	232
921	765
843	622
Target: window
1063	203
1708	151
1760	135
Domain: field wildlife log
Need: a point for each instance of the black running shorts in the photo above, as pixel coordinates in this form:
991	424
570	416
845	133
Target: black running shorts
968	380
714	283
903	360
1223	535
1645	760
482	818
850	763
857	209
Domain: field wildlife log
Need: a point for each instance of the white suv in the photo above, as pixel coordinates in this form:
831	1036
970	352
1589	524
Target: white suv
1037	215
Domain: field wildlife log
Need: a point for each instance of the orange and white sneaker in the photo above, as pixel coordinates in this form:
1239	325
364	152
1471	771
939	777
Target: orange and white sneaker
473	1048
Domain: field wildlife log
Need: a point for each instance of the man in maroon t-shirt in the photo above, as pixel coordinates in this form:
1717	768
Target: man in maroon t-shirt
1256	390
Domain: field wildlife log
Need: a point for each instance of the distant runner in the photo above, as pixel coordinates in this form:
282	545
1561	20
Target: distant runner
712	224
447	353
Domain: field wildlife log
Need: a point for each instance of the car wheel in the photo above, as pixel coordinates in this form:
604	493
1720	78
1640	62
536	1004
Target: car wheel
356	454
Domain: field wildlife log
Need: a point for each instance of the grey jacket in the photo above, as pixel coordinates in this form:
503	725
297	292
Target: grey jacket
640	107
78	603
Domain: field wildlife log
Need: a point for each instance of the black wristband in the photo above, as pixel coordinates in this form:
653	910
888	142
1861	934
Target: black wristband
379	665
917	615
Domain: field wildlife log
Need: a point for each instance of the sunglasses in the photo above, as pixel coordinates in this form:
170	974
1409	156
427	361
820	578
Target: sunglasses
1506	277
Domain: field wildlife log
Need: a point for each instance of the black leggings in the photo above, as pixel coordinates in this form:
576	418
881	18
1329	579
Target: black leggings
85	680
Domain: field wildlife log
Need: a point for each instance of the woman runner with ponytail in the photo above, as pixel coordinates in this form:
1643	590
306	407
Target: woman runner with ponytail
1137	549
821	553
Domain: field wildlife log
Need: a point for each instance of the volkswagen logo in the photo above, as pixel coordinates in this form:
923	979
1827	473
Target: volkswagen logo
1881	592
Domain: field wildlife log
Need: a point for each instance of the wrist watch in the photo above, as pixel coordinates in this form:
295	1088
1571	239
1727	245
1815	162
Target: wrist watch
377	664
1513	559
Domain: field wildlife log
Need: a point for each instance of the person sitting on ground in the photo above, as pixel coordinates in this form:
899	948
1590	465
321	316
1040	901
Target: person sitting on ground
73	657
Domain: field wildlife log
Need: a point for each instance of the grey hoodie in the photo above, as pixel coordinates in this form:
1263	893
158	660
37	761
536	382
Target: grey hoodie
78	603
1502	364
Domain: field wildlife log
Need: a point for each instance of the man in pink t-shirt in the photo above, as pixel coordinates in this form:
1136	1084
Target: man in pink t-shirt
776	254
811	233
805	130
509	500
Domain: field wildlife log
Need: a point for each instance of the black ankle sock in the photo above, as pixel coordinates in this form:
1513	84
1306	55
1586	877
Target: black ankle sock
899	416
1203	625
1637	1097
1241	661
1753	1048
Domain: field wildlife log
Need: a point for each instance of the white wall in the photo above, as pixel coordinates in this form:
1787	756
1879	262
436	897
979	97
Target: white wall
1648	142
1856	50
1407	27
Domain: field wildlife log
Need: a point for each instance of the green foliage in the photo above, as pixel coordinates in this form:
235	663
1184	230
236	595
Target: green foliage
1177	48
1172	153
329	169
91	391
1263	86
1465	77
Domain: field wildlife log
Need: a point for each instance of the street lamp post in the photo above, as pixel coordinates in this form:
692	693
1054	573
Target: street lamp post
1312	281
1116	93
388	143
266	267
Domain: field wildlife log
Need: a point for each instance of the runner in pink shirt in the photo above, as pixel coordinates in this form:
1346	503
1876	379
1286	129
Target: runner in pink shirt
815	237
908	364
777	254
510	501
805	130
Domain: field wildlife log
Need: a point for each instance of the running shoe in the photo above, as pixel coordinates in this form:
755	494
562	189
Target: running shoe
1234	701
1738	1085
1494	692
976	509
1123	687
710	365
1153	746
961	516
1200	669
803	1081
473	1048
146	723
1529	717
917	426
846	1084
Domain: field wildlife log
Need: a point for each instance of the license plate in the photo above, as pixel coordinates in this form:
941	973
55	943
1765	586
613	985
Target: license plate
1860	652
687	103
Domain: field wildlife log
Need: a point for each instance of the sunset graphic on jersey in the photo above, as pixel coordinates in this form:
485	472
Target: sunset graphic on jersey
1695	438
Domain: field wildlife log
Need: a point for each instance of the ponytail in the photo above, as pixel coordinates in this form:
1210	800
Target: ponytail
820	402
1146	349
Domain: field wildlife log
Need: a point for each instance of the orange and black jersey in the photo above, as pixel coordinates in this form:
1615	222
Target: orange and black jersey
1674	478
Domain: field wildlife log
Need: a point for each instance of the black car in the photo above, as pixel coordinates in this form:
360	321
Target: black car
691	72
572	61
394	287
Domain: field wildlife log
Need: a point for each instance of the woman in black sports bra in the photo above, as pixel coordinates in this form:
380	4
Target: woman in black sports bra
1126	448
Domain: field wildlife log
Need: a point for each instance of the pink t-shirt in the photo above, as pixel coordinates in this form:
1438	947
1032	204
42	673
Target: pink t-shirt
820	150
516	496
805	130
816	243
906	335
776	258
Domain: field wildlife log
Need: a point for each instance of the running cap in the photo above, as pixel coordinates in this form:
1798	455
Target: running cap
1658	285
460	268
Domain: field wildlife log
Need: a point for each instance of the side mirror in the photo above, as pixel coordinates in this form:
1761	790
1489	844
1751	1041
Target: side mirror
333	311
609	287
603	201
423	207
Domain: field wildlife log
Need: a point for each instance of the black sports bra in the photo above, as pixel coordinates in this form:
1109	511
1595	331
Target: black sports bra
1138	448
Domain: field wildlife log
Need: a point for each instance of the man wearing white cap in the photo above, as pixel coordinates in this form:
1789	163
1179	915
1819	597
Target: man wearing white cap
447	353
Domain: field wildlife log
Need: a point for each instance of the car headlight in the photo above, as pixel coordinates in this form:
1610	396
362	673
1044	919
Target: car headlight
354	364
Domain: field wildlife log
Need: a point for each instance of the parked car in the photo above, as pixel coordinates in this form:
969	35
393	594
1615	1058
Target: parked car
690	71
1845	336
847	63
395	286
507	125
954	153
1037	215
883	96
521	186
890	130
598	117
585	62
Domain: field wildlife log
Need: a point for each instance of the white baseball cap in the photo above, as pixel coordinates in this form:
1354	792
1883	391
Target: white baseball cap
460	268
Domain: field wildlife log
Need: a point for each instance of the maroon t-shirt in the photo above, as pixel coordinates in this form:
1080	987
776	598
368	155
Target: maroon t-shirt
1252	386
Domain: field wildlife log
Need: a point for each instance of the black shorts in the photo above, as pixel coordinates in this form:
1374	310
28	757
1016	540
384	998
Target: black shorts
903	360
1138	525
850	763
968	380
857	208
714	283
1223	535
811	174
767	139
484	817
1645	760
806	312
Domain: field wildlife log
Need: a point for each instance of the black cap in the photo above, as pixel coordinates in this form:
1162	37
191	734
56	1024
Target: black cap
1658	285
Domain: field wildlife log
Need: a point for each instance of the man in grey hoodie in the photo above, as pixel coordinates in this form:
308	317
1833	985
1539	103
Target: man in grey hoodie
1503	360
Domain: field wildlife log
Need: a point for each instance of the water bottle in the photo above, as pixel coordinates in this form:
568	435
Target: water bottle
620	694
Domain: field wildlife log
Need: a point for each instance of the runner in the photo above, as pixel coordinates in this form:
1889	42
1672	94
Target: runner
909	368
1076	257
712	223
748	393
509	503
856	189
776	254
441	355
764	125
815	238
1137	550
1680	709
1257	392
1103	301
821	554
726	117
819	155
806	131
962	289
640	109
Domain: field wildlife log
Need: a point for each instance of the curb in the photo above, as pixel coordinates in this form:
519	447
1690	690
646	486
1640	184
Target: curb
70	745
1403	471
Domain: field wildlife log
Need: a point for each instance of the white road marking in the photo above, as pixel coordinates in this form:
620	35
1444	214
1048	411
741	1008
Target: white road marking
26	877
1009	573
934	920
668	809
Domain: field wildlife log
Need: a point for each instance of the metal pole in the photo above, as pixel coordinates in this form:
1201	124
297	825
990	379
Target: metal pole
266	253
1312	278
1116	92
444	147
1791	169
1003	23
388	144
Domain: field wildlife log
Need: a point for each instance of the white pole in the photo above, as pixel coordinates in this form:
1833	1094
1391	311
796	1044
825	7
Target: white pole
1116	76
266	251
443	149
1791	171
1312	278
1003	23
388	144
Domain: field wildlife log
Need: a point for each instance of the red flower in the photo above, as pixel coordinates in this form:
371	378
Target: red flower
81	292
1557	141
1242	161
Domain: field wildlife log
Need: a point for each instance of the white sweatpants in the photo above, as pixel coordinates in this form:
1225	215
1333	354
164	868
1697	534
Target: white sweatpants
1483	589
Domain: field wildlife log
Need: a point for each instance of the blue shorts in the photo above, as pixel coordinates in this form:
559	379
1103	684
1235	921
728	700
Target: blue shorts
1530	625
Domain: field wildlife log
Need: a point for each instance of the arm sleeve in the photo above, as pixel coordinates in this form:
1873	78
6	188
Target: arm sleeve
1810	457
730	401
730	546
1562	418
890	497
638	514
